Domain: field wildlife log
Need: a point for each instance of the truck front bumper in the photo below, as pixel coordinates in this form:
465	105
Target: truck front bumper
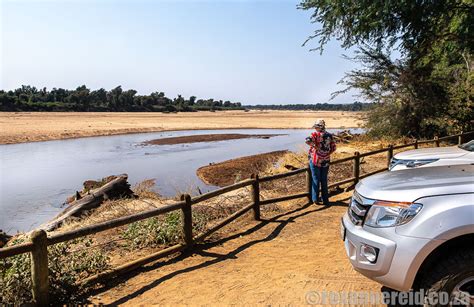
392	266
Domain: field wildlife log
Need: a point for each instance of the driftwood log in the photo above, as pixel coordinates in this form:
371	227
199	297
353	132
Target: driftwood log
116	188
343	136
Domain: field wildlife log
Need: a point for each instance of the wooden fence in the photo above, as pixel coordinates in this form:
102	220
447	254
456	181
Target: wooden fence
38	246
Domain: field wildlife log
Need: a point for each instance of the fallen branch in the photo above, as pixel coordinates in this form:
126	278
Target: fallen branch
118	187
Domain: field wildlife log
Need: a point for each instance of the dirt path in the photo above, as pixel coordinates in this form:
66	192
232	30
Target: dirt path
272	262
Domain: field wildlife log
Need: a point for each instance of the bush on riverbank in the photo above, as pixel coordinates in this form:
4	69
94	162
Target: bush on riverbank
161	230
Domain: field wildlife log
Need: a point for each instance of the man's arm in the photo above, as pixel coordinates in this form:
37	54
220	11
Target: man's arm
311	140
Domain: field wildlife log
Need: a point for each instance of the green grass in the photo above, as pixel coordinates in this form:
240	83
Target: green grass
163	230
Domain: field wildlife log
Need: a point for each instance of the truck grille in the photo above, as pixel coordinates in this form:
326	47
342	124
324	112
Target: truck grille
358	208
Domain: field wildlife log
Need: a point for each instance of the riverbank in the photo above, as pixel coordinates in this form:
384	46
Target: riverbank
21	127
231	171
188	139
270	163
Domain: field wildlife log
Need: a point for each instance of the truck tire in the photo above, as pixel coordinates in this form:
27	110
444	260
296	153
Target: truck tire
452	276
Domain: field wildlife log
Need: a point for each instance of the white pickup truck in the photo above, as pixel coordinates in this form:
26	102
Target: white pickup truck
438	156
414	229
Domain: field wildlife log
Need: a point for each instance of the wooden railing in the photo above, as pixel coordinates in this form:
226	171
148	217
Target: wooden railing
40	240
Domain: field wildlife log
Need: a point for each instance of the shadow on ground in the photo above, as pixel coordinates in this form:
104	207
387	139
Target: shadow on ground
280	221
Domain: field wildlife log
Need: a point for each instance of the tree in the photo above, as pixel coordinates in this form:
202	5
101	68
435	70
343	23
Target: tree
413	25
428	90
113	98
99	98
179	102
28	98
80	97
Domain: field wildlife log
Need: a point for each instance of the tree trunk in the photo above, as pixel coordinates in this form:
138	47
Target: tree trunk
116	187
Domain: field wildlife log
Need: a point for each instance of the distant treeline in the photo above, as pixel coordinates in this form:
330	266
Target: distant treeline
83	99
356	106
29	98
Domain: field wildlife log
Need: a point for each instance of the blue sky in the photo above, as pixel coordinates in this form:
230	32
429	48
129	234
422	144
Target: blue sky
248	51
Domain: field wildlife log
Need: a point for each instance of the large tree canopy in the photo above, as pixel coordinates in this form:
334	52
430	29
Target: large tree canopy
412	24
429	89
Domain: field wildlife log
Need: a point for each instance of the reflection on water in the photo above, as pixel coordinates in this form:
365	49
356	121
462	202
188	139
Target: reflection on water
36	178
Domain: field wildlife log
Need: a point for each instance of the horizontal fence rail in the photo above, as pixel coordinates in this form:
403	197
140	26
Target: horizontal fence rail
223	190
342	182
406	145
224	222
342	160
39	239
16	250
374	152
284	198
130	266
121	221
282	175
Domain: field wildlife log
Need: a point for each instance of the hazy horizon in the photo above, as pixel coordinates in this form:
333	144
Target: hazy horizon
247	51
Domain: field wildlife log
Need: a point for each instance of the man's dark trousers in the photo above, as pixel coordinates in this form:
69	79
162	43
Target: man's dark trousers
320	179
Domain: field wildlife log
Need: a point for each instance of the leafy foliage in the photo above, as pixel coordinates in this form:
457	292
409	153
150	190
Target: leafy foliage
429	89
162	230
411	24
15	280
29	98
66	267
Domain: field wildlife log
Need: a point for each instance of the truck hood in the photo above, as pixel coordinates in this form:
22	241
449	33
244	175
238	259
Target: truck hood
411	184
432	153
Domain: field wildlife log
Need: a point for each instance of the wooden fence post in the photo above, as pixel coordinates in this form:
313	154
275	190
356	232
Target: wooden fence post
39	268
187	220
436	138
256	197
356	169
416	144
389	154
460	139
309	183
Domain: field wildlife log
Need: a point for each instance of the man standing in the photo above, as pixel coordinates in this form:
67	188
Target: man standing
322	145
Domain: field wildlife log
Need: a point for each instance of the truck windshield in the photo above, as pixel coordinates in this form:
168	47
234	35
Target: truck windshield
469	146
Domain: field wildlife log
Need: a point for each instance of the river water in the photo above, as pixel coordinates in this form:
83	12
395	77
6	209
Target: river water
36	178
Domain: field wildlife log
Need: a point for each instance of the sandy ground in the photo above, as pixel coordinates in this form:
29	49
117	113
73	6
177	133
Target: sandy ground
231	171
207	138
274	262
41	126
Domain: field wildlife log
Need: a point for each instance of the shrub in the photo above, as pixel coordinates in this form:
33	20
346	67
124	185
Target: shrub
155	231
162	230
66	267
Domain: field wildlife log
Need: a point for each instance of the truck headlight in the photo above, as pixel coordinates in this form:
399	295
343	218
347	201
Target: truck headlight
389	214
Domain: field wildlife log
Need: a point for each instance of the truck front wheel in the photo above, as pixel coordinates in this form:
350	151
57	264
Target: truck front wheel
451	278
